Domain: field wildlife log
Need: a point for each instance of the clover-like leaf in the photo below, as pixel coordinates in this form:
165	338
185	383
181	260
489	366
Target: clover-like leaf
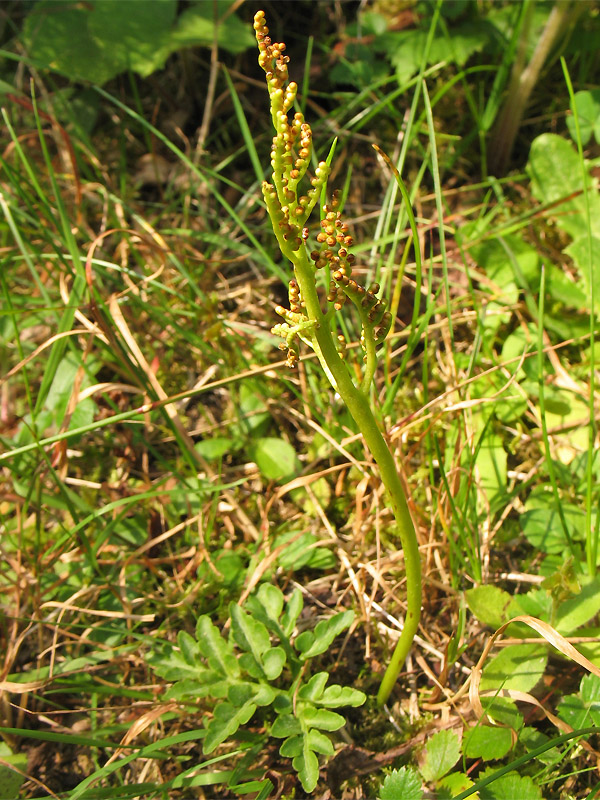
218	652
292	746
250	634
286	725
319	717
291	612
320	743
273	662
225	722
313	690
205	683
313	643
336	696
307	766
271	598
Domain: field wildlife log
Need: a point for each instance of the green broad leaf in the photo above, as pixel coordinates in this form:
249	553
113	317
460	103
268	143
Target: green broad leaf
336	696
306	765
441	754
401	784
218	652
510	787
518	667
407	48
313	643
196	27
542	526
590	691
225	722
504	711
215	448
286	725
531	739
292	611
452	785
271	599
555	172
319	717
573	711
509	262
313	690
275	458
10	780
587	104
577	611
487	742
582	709
489	604
248	633
536	602
585	252
320	743
96	40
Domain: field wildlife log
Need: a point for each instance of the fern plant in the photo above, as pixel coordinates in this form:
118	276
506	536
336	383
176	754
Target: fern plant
244	671
306	321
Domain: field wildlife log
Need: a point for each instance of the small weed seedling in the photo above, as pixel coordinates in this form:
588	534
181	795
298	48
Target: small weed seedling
208	665
307	321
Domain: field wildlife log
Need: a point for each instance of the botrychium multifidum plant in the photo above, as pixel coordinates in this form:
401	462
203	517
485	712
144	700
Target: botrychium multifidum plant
307	321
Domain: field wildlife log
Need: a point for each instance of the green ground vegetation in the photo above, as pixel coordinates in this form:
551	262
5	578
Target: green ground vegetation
201	577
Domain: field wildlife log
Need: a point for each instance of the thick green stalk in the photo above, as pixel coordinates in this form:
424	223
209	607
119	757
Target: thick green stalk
306	320
358	405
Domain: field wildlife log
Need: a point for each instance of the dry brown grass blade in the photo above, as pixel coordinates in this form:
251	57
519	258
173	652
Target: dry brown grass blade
544	629
140	725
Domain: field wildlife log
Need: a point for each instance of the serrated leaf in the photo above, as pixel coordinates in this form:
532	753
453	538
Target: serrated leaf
314	688
336	696
442	753
307	766
489	604
217	651
319	718
284	726
97	40
487	742
510	787
323	635
452	785
401	784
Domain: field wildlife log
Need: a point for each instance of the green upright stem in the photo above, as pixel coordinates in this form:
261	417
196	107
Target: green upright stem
289	212
358	405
